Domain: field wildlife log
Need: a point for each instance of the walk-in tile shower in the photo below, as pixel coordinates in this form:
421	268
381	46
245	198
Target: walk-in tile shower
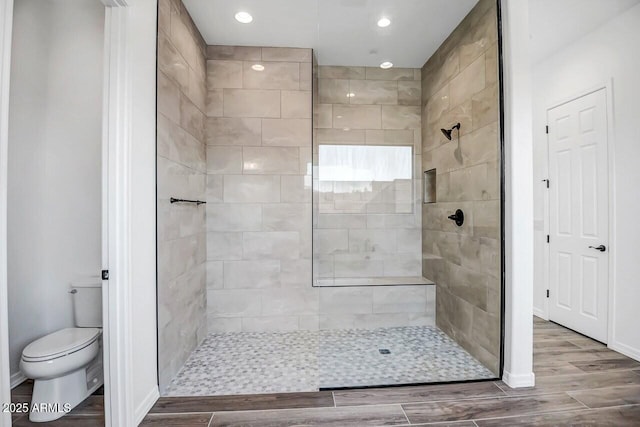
319	261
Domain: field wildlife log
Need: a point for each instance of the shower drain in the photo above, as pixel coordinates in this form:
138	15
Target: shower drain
384	351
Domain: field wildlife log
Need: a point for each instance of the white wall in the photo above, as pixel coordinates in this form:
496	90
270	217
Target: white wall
610	52
142	42
54	193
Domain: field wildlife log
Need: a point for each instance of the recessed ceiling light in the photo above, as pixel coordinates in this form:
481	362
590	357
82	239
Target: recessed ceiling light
351	95
384	22
244	17
386	65
258	67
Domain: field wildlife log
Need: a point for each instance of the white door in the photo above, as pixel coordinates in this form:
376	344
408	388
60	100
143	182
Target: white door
578	210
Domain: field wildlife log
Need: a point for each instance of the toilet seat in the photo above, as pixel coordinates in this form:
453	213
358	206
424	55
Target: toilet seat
60	343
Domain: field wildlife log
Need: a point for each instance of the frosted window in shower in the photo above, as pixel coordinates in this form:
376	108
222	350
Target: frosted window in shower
365	179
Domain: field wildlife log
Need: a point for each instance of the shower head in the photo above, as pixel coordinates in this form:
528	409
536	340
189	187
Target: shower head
447	132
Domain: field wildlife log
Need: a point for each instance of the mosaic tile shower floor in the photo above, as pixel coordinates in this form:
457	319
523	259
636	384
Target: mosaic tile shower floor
275	362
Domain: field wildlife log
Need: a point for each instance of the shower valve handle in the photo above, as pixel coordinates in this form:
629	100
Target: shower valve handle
458	217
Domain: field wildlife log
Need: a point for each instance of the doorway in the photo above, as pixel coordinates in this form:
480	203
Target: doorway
579	214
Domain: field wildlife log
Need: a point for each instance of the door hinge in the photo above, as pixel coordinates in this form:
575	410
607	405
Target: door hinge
105	274
546	129
548	238
547	293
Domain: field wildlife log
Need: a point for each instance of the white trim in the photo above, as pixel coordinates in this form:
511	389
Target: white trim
518	381
518	153
147	403
17	378
117	131
6	23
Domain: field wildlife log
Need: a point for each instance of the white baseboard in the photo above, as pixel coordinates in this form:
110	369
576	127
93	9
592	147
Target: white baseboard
631	352
539	313
17	378
519	381
147	403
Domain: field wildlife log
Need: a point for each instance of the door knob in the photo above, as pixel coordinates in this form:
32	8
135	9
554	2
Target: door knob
600	248
458	217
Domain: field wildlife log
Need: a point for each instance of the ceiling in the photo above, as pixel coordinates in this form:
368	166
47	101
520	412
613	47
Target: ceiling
343	32
555	24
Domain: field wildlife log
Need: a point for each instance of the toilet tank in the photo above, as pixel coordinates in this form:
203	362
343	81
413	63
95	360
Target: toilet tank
87	303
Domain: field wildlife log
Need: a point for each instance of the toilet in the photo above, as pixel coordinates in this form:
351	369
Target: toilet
66	365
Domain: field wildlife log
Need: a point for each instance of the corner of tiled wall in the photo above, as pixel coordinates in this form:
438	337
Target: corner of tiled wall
258	133
460	84
181	168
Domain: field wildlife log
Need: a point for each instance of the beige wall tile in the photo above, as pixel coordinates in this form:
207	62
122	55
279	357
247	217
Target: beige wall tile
410	93
276	75
485	105
306	76
296	104
251	103
197	91
251	189
270	324
286	54
295	189
470	81
286	132
191	118
333	72
357	116
341	135
224	160
329	241
289	302
399	299
239	53
323	116
234	217
346	300
214	105
224	74
401	117
372	92
271	160
333	91
233	302
215	275
171	62
222	246
168	98
286	217
251	274
377	73
176	144
271	245
233	131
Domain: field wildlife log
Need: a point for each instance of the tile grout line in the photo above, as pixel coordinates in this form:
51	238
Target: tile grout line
211	419
405	414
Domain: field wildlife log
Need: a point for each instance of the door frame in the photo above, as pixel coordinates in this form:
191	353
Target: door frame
116	233
608	88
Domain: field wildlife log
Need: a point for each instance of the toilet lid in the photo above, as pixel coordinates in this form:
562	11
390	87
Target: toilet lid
62	342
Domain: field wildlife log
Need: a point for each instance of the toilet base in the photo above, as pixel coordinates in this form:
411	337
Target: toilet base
54	398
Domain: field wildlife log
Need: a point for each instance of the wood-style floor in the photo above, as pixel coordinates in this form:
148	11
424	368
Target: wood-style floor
579	382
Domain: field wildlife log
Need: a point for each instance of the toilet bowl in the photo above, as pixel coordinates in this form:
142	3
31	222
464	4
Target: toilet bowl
66	365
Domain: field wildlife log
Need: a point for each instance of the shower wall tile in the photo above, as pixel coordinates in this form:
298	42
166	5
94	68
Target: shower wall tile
291	54
459	85
227	217
296	104
377	73
276	75
251	274
181	173
233	131
357	116
270	160
224	74
239	53
271	245
373	92
251	189
384	110
286	132
224	160
251	103
224	246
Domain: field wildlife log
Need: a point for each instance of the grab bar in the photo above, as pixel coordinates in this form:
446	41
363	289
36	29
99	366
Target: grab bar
197	202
